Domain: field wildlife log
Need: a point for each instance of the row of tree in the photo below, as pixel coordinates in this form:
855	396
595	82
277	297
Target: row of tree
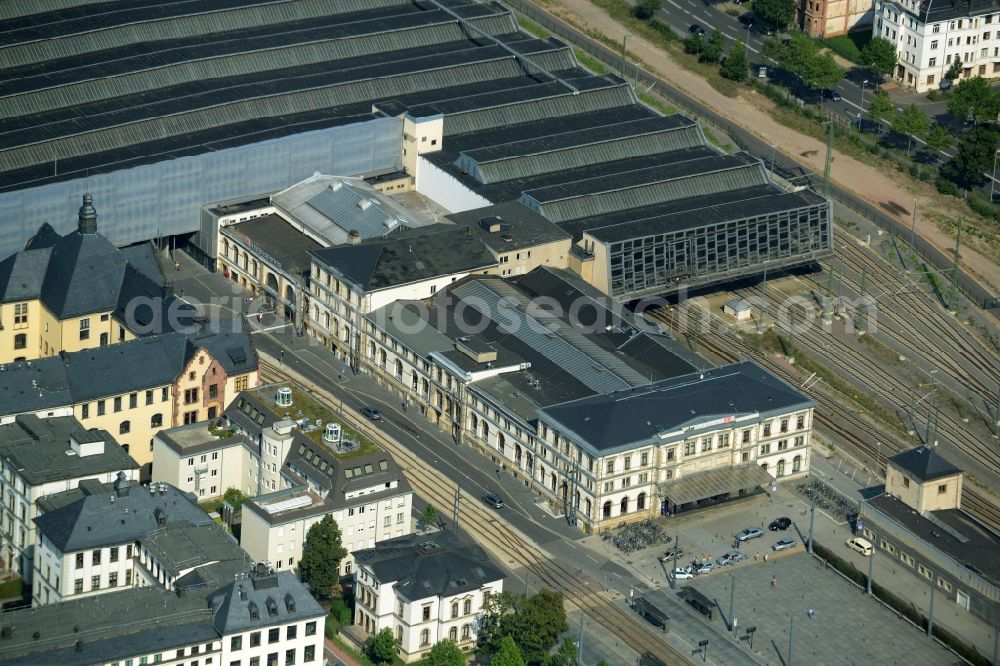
802	56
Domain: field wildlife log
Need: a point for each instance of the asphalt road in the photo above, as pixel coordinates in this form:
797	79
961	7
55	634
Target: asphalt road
856	88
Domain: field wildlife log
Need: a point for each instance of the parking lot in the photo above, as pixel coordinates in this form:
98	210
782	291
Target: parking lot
847	626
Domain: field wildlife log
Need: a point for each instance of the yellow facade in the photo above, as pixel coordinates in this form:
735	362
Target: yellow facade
527	259
133	418
28	330
934	495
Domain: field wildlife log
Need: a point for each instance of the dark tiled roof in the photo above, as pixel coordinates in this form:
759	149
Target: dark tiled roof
278	598
95	520
289	246
923	463
95	373
434	565
953	532
409	257
84	274
521	227
38	449
639	415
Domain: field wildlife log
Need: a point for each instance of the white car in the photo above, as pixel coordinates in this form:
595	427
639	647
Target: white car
682	573
784	544
863	546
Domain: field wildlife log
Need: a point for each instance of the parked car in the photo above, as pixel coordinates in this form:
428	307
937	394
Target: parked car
669	553
783	544
371	413
832	95
750	533
863	546
696	29
494	501
732	557
705	567
746	19
780	524
682	573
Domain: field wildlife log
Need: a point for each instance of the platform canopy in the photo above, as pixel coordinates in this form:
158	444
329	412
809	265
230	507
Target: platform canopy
712	483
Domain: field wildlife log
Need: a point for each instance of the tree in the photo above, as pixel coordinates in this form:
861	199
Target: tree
879	56
321	556
713	47
534	623
545	614
821	71
381	647
778	13
495	620
938	138
912	122
445	653
694	43
565	656
235	497
880	109
647	9
954	71
508	654
603	662
735	64
974	156
429	517
974	100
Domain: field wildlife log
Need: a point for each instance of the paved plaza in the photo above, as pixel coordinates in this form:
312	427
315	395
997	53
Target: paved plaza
847	626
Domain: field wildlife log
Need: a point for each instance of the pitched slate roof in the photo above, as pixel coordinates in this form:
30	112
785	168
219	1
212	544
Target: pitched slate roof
926	464
434	565
95	521
90	374
680	406
277	598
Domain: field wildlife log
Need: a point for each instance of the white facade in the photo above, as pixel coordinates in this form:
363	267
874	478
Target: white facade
63	576
446	190
926	51
418	624
269	538
294	643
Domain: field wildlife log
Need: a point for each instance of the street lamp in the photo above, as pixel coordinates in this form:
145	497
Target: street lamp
863	84
763	307
993	180
772	146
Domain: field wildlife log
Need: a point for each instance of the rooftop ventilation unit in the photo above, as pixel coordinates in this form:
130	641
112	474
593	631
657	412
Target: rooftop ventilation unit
283	397
365	204
336	185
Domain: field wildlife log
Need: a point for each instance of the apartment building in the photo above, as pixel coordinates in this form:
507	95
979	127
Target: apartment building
237	614
79	291
91	542
136	388
930	36
40	457
425	588
296	469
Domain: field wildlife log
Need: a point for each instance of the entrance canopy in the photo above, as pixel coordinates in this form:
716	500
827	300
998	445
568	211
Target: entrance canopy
714	483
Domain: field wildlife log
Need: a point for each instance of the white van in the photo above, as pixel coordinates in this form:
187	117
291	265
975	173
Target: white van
863	546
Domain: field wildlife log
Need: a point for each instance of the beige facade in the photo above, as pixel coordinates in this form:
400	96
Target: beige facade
28	330
519	262
420	136
829	18
924	495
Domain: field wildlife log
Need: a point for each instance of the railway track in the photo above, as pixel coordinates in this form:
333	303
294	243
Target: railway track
505	541
847	423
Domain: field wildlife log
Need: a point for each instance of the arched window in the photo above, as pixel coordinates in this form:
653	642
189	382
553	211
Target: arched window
20	341
606	510
501	443
796	464
454	609
467	608
453	633
763	466
156	421
640	502
125	428
624	506
781	468
399	369
425	637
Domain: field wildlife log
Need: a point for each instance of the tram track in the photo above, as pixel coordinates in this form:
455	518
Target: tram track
847	423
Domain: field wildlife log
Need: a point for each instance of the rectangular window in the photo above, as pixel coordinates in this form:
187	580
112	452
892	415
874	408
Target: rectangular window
310	628
628	462
213	390
128	577
724	440
942	489
273	635
95	582
79	560
611	467
149	397
765	449
934	45
290	657
292	632
746	436
643	459
95	558
706	444
100	408
20	314
85	411
309	653
85	328
236	643
113	579
190	417
133	400
164	395
118	404
689	448
78	586
255	639
113	554
190	396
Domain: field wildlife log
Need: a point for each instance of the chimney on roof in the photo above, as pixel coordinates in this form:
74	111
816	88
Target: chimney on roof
121	484
88	216
355	237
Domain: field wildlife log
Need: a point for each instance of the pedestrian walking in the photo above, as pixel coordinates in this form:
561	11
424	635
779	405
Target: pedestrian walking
756	556
810	613
774	581
765	557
